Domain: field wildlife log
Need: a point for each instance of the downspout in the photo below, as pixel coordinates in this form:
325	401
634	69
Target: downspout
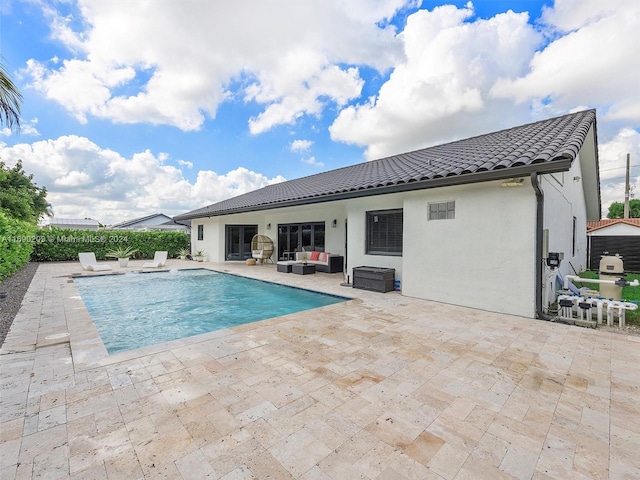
345	270
539	238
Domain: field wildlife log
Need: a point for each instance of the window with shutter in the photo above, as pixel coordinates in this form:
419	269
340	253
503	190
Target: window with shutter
384	232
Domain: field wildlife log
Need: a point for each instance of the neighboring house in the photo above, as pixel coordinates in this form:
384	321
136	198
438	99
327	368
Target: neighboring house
157	221
467	223
74	223
611	236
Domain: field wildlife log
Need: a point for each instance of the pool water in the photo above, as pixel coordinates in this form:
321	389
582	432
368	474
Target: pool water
140	309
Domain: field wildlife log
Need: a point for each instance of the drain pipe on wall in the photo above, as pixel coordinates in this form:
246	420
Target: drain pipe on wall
539	238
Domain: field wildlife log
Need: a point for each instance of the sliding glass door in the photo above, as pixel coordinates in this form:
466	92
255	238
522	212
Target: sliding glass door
238	241
298	237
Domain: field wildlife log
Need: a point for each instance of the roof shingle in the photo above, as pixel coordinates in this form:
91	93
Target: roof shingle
544	146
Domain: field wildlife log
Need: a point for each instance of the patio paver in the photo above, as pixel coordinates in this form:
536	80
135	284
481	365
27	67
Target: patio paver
380	387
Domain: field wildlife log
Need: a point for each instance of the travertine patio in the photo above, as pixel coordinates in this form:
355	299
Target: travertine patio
380	387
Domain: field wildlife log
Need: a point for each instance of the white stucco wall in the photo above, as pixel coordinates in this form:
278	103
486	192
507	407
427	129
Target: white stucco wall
209	242
563	200
484	258
214	227
357	218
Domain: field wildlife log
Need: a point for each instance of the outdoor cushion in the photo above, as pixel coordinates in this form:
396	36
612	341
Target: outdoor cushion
323	256
314	256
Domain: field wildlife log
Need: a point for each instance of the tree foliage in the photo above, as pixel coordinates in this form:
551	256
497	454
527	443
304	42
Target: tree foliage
10	100
20	197
616	210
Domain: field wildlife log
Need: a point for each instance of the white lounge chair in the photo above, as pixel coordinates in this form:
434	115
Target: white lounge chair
159	259
88	262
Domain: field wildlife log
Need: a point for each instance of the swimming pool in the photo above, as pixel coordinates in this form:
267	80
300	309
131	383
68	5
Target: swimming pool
140	309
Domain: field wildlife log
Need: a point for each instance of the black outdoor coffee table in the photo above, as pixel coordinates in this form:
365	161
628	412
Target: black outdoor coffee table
303	268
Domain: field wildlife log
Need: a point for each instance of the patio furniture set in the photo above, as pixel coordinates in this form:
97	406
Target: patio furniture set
307	263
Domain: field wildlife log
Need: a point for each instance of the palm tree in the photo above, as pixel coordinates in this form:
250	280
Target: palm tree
10	99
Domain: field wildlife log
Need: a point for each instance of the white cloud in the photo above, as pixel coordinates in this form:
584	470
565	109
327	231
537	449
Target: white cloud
593	63
312	161
296	84
72	179
30	128
300	145
453	75
569	15
441	90
27	129
161	63
85	180
464	76
613	161
77	85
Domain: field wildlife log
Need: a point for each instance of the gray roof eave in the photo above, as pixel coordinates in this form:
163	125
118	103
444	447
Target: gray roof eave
561	164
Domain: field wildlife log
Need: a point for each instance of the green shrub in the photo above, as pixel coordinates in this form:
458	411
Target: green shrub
58	244
16	244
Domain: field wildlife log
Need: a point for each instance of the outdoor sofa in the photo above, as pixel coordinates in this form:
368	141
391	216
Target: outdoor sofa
324	261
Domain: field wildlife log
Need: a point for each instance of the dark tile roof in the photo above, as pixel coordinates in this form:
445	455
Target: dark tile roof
545	146
183	223
128	223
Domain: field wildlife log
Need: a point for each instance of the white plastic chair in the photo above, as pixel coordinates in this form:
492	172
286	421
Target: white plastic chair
159	259
88	262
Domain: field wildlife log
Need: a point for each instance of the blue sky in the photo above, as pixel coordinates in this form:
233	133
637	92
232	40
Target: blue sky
134	108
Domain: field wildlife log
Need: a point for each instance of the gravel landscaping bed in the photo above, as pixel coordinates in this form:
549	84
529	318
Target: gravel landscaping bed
12	290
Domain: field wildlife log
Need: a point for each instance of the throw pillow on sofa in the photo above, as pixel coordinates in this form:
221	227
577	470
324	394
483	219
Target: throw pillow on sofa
324	256
314	256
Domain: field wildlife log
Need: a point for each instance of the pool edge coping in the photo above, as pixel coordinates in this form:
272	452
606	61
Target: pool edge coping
88	349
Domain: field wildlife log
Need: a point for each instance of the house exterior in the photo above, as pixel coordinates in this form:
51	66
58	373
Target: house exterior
468	222
615	236
157	221
74	223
